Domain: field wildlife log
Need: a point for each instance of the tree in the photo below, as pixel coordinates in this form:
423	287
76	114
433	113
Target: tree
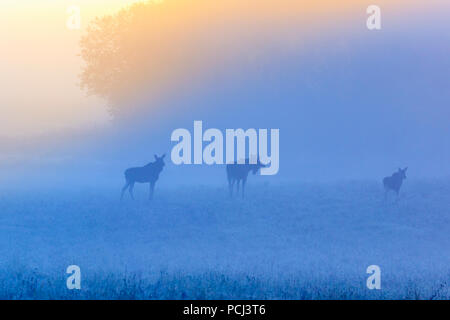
107	56
152	50
142	52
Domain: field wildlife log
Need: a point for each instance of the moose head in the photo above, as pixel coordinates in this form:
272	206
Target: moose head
257	166
402	173
160	160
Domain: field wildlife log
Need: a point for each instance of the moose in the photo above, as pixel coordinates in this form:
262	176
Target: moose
239	172
394	182
146	174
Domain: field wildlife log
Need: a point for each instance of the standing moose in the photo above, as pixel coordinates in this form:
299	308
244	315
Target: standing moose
394	182
146	174
239	172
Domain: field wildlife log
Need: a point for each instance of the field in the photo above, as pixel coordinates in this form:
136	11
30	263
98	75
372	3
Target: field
302	241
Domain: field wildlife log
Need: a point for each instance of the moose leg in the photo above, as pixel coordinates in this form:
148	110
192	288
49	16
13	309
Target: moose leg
230	186
152	189
237	187
127	184
243	187
131	190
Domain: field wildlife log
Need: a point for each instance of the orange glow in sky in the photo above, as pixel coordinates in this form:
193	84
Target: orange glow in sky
40	67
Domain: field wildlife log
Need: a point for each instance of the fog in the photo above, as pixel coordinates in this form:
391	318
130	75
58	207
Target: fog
349	104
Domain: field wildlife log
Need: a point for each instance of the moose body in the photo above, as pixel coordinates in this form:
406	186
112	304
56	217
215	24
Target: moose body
395	181
146	174
239	172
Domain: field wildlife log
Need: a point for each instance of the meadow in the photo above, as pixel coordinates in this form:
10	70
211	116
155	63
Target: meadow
291	241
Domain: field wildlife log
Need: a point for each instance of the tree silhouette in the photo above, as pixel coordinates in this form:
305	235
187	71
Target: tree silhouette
144	51
108	57
150	50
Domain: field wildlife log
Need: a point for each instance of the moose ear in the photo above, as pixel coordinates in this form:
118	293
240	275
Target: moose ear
156	157
405	169
163	156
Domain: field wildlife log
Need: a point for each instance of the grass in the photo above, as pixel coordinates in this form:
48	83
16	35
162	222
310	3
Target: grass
282	242
211	285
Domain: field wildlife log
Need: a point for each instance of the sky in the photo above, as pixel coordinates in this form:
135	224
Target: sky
337	91
40	65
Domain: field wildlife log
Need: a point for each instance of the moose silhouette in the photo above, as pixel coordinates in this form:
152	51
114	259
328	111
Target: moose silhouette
239	172
146	174
394	182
